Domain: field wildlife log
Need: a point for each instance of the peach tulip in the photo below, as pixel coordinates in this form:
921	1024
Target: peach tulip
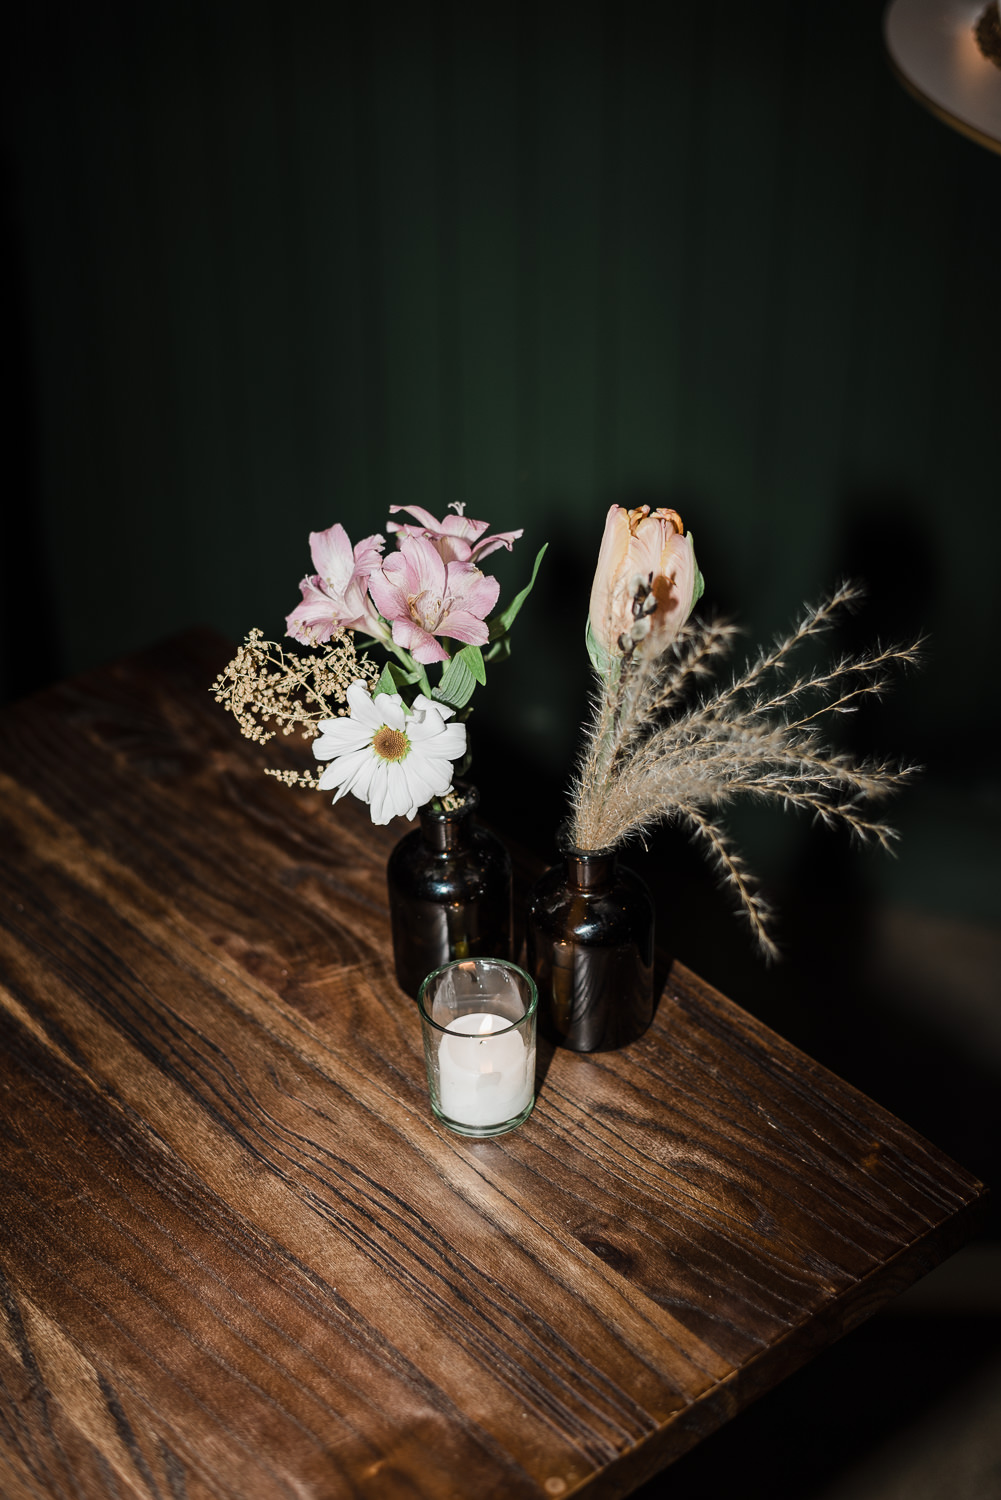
646	563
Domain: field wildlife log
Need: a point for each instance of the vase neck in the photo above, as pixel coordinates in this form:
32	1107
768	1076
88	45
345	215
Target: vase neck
591	869
450	832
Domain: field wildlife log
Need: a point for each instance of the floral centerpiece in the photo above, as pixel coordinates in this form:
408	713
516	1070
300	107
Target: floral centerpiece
395	736
665	745
390	736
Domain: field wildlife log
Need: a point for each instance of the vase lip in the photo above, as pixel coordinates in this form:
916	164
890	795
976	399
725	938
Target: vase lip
567	847
471	801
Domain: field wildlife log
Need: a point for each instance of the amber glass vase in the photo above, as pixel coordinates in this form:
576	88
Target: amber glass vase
449	893
590	951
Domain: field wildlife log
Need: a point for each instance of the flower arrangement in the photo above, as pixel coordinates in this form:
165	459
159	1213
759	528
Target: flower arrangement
391	737
656	750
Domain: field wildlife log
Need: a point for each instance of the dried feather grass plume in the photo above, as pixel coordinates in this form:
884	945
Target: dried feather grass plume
270	691
648	758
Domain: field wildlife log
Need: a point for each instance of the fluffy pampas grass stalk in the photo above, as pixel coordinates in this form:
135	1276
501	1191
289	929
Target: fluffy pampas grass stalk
659	749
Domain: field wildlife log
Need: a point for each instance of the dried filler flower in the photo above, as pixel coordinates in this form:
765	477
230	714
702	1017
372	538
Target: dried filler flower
271	691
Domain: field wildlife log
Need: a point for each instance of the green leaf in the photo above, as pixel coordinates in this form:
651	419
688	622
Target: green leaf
394	676
501	624
600	659
500	650
473	657
458	681
700	583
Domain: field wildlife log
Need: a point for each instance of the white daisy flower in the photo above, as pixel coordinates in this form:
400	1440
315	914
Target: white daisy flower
393	758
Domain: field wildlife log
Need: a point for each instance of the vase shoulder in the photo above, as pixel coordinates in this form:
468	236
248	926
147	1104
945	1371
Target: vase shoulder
449	895
602	915
452	873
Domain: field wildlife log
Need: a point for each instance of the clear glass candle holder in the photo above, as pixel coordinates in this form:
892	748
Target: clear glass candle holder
478	1019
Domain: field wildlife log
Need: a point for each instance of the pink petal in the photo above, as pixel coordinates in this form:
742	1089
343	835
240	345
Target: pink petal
460	625
425	570
471	590
491	543
368	555
463	526
333	557
421	643
390	598
452	549
315	619
424	517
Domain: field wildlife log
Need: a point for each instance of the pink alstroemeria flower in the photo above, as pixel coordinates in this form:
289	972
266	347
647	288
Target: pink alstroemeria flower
337	593
422	597
457	538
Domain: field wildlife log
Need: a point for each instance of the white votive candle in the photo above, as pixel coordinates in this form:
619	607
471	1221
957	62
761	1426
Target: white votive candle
484	1078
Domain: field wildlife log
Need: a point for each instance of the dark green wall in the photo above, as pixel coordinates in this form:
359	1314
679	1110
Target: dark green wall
276	265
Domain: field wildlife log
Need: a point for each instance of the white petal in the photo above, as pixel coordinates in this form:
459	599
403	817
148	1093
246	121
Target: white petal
343	736
378	797
423	702
424	728
361	782
422	783
451	742
428	721
441	772
344	769
398	792
389	707
360	703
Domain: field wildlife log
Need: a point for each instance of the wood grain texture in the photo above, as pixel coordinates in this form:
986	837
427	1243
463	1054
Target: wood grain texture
237	1255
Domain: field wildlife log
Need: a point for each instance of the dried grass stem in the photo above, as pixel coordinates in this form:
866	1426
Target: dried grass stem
640	766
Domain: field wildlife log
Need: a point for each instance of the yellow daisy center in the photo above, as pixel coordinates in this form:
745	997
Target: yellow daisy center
391	744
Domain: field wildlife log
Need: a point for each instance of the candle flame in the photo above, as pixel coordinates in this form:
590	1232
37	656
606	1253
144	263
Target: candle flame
486	1025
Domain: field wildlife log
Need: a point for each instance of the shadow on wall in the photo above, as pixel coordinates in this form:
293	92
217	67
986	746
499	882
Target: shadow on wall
29	655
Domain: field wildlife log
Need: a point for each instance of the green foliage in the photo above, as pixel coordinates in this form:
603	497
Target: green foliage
460	676
501	624
700	583
395	676
600	659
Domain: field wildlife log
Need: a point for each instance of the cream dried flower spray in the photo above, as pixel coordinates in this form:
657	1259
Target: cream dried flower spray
657	749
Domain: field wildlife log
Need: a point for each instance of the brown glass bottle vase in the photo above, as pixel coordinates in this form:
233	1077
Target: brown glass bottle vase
590	951
449	893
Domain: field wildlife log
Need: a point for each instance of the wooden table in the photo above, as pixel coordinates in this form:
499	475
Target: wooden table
239	1258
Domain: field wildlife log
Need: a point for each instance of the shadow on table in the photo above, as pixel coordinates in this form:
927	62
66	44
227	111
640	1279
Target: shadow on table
895	1378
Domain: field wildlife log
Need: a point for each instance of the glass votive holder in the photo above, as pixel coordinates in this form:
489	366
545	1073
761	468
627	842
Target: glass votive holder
478	1019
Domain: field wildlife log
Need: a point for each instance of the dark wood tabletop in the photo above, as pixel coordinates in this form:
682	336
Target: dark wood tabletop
239	1258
